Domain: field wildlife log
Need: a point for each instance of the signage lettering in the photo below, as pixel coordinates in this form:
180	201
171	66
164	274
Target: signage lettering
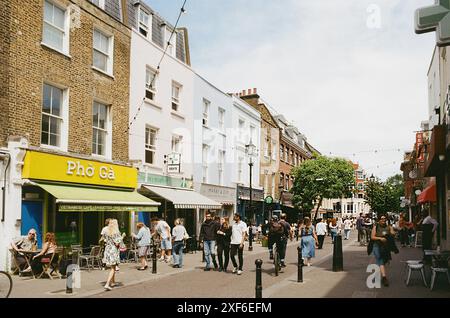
76	168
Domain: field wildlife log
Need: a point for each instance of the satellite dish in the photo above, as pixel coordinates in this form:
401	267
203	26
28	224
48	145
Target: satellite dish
413	174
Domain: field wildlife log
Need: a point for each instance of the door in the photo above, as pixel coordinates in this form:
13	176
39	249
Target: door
91	232
32	219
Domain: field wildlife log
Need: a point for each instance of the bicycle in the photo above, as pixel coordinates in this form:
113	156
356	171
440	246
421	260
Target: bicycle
276	260
5	284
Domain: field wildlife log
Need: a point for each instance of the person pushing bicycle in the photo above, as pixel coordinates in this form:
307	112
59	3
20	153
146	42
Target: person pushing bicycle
276	232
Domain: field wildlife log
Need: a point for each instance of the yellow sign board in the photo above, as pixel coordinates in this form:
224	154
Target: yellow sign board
44	166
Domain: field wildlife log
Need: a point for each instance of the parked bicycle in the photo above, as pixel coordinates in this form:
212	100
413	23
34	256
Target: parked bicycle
276	260
5	284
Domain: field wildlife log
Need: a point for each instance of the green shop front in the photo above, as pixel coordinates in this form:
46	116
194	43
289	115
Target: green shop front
72	197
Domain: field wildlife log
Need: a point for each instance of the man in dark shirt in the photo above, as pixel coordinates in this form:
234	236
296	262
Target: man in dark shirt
208	233
287	234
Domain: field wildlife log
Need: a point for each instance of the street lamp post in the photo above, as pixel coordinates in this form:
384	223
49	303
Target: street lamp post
250	150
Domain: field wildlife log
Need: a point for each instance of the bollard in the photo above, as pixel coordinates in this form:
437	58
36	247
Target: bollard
250	241
338	258
69	289
258	287
154	261
300	266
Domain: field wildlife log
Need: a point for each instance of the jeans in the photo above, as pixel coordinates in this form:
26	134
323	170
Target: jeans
177	250
362	236
236	249
223	253
333	234
347	234
209	248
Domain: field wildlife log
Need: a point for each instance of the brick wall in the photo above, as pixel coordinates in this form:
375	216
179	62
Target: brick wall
32	64
5	25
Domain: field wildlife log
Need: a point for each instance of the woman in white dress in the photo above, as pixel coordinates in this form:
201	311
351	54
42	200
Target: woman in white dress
111	257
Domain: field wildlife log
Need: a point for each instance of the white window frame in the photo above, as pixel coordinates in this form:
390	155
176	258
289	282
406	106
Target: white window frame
252	134
101	4
205	150
107	130
64	117
241	131
206	106
172	46
152	90
281	152
176	99
177	144
274	151
221	166
240	169
148	146
109	55
266	148
221	119
66	34
141	24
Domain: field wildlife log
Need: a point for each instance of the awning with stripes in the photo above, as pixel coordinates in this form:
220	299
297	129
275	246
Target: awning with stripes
183	198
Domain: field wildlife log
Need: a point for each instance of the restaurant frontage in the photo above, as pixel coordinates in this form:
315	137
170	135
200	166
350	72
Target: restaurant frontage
243	204
178	200
72	197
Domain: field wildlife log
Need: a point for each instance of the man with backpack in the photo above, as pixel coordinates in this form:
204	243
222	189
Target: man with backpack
287	234
276	231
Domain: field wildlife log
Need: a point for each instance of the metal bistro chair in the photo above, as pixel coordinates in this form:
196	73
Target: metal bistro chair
415	266
439	267
132	253
91	258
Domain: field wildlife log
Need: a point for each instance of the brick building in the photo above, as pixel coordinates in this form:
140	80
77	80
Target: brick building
64	98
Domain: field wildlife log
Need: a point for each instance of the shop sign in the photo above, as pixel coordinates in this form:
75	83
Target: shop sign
218	193
44	166
160	180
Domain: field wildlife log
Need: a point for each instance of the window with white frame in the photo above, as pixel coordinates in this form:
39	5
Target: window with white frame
222	119
287	183
240	169
150	83
52	115
150	145
292	158
103	51
360	186
281	152
100	129
170	41
274	150
253	134
350	208
221	166
266	148
206	106
286	155
360	175
144	23
99	3
56	27
205	163
176	143
241	126
176	90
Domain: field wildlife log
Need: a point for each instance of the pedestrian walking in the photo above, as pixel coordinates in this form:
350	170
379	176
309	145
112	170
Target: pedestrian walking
179	235
163	230
309	241
333	229
208	233
321	231
383	241
347	228
143	243
368	223
360	229
238	235
402	230
223	244
287	234
111	257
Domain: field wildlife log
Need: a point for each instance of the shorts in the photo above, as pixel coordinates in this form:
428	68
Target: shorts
143	251
166	244
377	253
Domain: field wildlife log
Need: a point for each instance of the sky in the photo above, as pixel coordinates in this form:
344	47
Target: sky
350	74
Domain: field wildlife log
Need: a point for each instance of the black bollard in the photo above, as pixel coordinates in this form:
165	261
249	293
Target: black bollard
300	266
154	261
258	287
250	241
69	284
338	258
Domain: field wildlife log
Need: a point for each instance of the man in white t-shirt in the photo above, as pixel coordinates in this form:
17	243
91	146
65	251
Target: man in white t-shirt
238	234
163	230
347	228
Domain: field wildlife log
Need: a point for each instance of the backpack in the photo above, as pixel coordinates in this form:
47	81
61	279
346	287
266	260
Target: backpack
276	228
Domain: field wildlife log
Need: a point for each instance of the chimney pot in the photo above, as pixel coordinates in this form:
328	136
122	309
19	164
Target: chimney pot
254	91
249	91
243	92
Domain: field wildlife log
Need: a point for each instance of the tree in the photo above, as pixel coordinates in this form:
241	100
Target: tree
383	197
321	178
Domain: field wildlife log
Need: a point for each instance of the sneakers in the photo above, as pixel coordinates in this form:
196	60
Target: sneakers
207	269
385	282
161	259
108	287
235	270
239	272
176	266
271	256
282	264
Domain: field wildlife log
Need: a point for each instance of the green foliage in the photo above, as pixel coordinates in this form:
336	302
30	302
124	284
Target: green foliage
321	178
384	197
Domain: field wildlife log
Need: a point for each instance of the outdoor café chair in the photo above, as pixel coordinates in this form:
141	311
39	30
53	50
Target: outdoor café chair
439	268
51	265
91	258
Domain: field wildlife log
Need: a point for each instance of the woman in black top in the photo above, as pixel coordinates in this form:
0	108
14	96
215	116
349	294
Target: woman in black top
223	244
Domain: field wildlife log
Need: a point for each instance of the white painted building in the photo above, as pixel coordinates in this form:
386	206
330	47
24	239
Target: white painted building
162	117
213	146
246	123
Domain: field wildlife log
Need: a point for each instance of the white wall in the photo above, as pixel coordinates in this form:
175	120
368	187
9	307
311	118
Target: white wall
211	135
241	110
10	228
434	89
159	114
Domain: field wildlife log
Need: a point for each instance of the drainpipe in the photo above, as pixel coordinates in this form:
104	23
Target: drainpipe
4	155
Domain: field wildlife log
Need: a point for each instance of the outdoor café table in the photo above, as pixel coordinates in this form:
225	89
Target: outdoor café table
438	256
29	257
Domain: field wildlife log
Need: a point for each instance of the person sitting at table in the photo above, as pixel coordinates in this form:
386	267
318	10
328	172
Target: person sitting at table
48	249
24	243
